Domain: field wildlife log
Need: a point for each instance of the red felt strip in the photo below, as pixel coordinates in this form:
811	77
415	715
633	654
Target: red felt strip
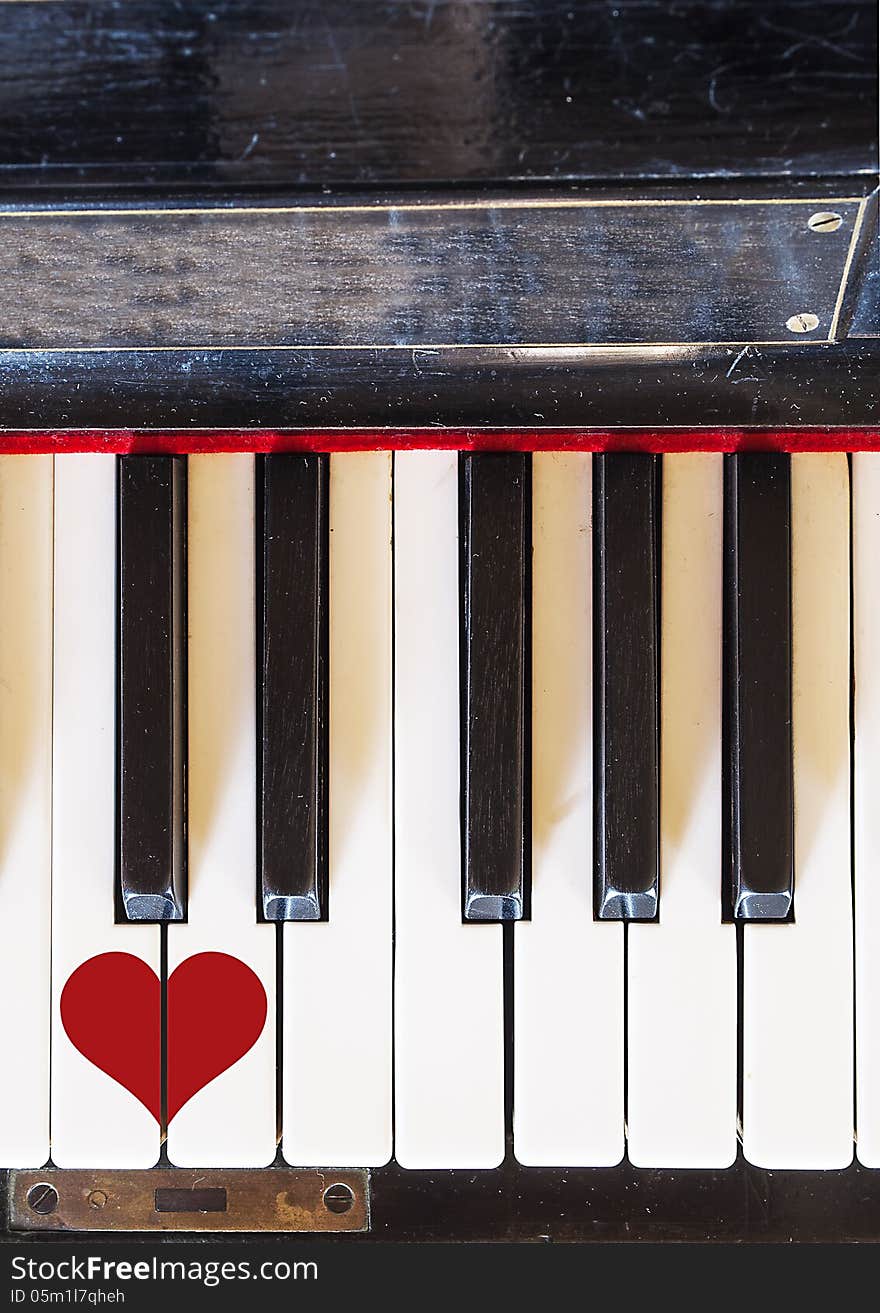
145	441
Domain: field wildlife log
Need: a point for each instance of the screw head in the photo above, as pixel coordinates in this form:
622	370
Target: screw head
42	1198
824	221
805	322
97	1199
338	1198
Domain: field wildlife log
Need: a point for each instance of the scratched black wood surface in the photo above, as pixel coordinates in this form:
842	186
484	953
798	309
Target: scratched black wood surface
780	387
861	317
436	273
158	99
310	93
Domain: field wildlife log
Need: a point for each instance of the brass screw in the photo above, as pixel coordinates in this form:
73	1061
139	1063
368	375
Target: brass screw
97	1199
42	1198
805	322
338	1198
826	221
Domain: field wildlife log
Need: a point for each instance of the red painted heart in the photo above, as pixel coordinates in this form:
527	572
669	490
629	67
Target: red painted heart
111	1012
216	1012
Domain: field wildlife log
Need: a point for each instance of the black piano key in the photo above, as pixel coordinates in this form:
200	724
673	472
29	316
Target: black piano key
293	493
151	676
495	505
757	641
626	644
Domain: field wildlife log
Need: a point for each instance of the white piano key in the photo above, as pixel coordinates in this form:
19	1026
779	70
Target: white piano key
798	978
448	976
866	656
95	1120
336	1079
231	1121
25	804
568	968
682	986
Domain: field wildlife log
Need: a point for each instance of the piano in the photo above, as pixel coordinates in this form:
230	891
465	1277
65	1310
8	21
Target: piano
439	659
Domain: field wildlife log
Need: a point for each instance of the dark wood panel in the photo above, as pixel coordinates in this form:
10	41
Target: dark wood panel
781	387
860	313
331	92
446	273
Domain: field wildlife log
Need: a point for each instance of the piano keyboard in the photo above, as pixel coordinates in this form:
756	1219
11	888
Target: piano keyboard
429	805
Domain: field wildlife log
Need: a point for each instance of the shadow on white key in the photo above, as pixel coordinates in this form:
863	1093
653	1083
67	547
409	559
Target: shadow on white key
681	1078
568	968
337	974
110	1003
798	978
866	629
448	977
25	804
220	1008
